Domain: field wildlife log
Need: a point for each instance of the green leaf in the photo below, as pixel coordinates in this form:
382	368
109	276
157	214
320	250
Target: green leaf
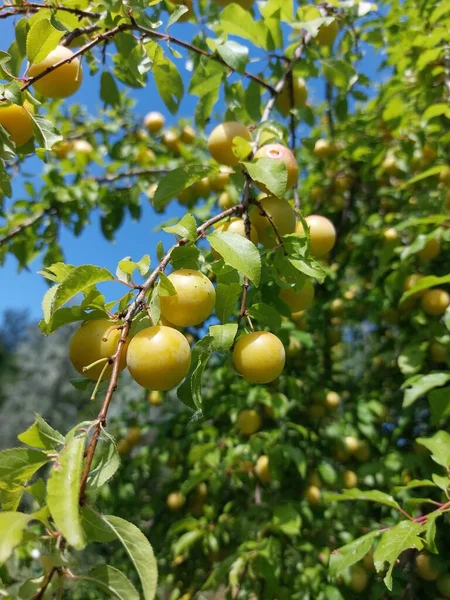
371	496
12	525
185	228
339	72
223	336
111	581
140	552
185	257
439	446
109	91
424	284
419	385
42	38
187	540
424	175
436	110
17	465
351	553
80	279
239	253
63	491
169	83
227	295
45	132
439	404
190	391
237	21
235	55
94	527
178	12
266	315
287	520
41	435
271	173
178	180
411	359
105	464
393	542
10	496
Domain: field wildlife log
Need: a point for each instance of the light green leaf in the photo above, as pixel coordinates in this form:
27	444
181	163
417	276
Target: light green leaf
105	464
178	180
41	435
185	228
140	552
17	465
63	490
78	280
111	581
271	173
419	385
185	257
237	21
239	253
424	284
393	542
42	38
428	173
351	553
286	519
45	132
411	359
165	286
439	446
227	295
235	55
223	336
436	110
178	12
187	540
169	83
371	496
190	391
12	525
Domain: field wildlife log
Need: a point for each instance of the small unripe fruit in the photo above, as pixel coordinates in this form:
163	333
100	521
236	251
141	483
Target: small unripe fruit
313	494
17	121
390	165
194	300
249	421
358	579
155	398
88	345
431	249
82	148
175	501
134	436
438	352
187	134
337	306
443	585
123	446
435	302
145	156
351	443
62	149
171	140
298	300
225	201
444	175
316	411
325	149
391	235
322	234
262	469
280	153
428	154
221	179
294	347
158	358
411	281
282	215
61	82
300	92
362	453
259	357
350	479
202	188
332	400
236	225
154	121
220	142
425	568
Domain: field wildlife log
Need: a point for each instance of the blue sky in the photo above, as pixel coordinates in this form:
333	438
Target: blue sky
25	290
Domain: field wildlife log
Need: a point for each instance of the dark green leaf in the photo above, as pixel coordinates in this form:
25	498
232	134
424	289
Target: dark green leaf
239	253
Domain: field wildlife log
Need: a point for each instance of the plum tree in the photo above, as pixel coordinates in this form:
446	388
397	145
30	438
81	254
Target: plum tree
154	121
158	357
220	142
435	302
95	342
17	121
249	421
193	301
259	357
282	215
300	95
322	234
59	83
280	153
298	300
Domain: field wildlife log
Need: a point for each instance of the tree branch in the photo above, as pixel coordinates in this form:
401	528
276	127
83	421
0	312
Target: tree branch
292	127
36	7
28	223
132	173
46	583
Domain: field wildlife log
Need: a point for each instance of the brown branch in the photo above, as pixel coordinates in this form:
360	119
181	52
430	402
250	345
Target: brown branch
292	127
128	317
132	173
78	32
247	227
329	98
46	583
269	218
36	7
28	223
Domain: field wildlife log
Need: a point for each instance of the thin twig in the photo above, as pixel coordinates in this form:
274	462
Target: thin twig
292	127
45	584
78	32
132	173
247	227
128	317
36	7
28	223
329	98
